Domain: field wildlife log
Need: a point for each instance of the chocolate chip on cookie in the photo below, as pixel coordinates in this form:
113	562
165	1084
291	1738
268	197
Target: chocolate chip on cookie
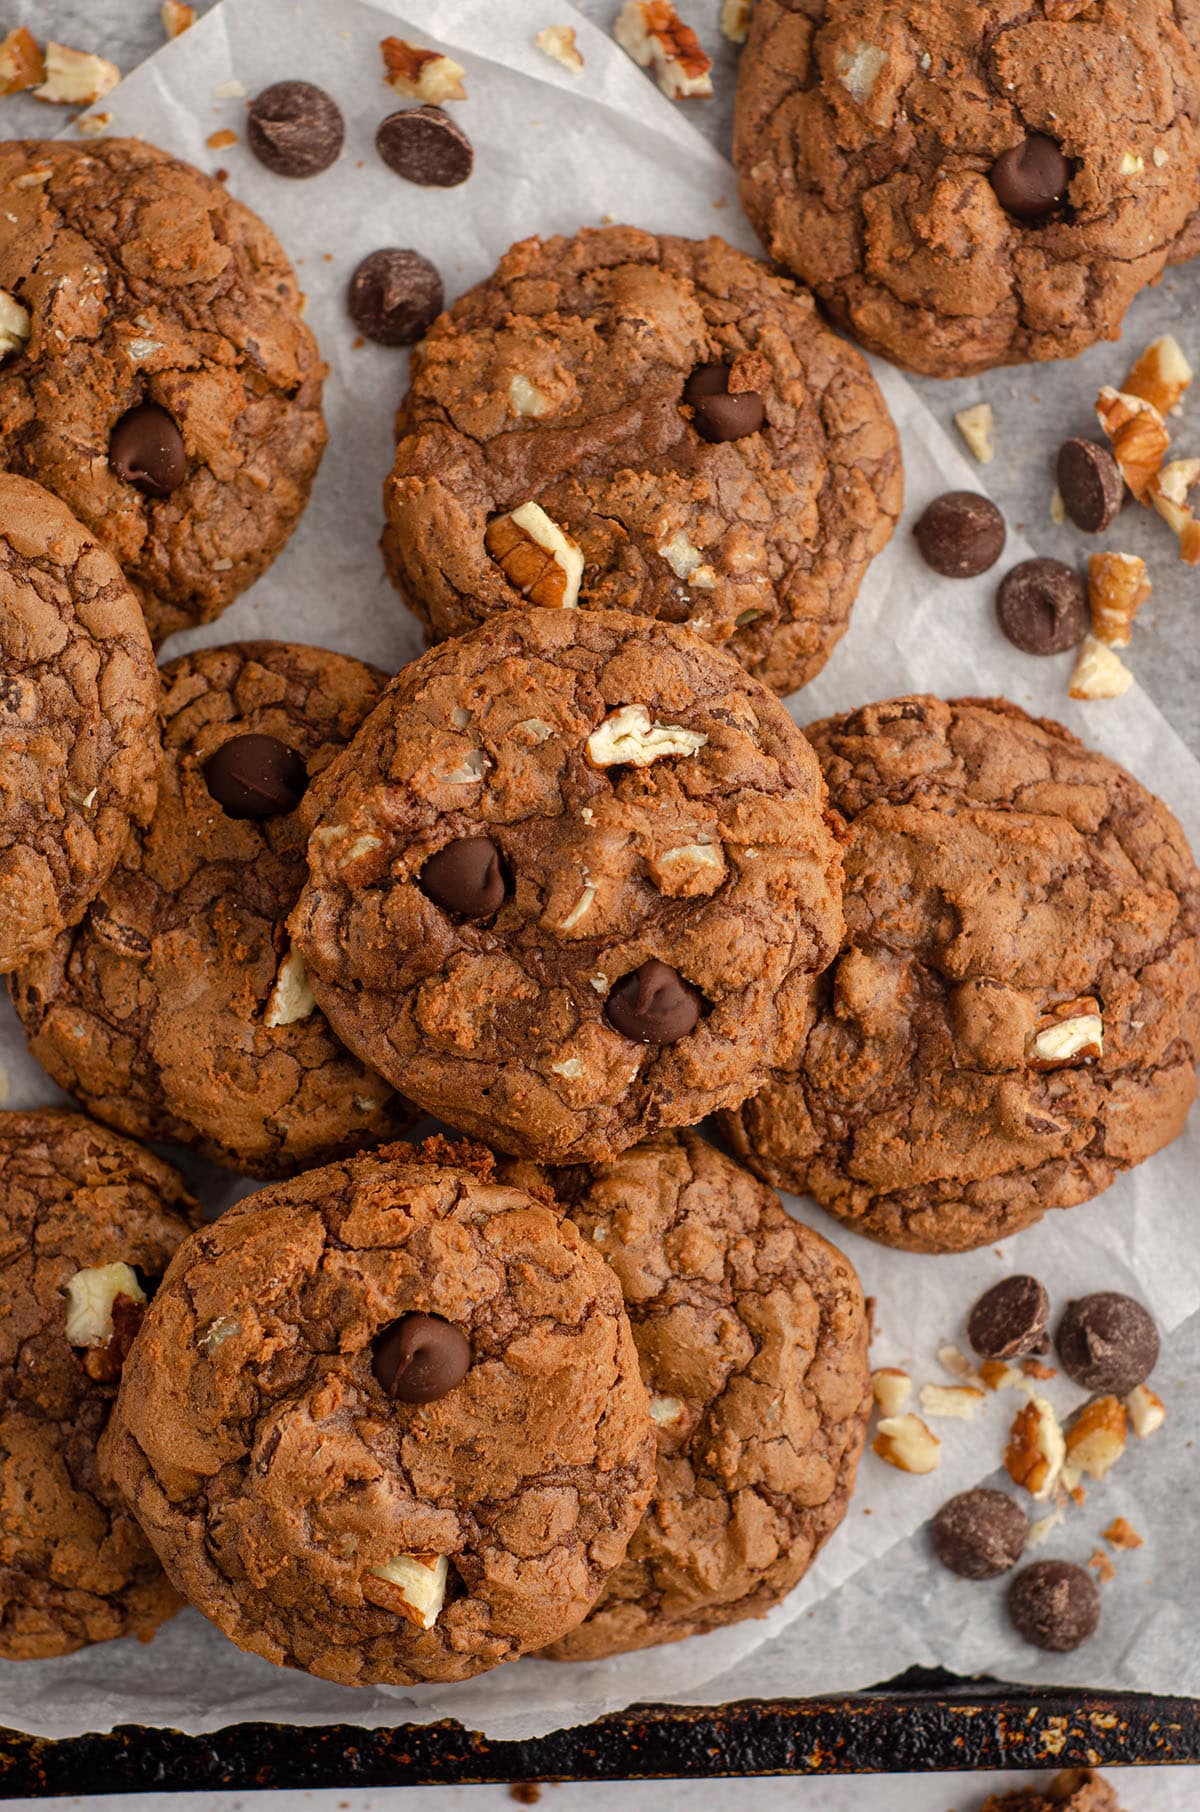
1054	1605
385	1422
670	884
78	718
176	1009
979	1534
960	534
395	295
593	423
169	393
424	145
295	129
1090	484
1041	605
1107	1342
1009	1320
984	1048
88	1223
1031	179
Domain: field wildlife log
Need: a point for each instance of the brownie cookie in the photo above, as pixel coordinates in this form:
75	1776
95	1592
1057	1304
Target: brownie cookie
752	1336
656	425
1015	1014
570	882
385	1422
1074	1790
176	1009
78	718
160	379
88	1222
966	185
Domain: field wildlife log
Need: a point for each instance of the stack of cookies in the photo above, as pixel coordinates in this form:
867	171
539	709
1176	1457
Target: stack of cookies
564	1377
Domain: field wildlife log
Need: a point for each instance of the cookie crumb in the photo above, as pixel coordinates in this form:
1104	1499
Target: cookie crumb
1102	1566
526	1793
221	141
1121	1534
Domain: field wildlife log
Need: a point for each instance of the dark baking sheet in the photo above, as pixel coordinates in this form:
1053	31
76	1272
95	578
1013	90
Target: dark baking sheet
923	1722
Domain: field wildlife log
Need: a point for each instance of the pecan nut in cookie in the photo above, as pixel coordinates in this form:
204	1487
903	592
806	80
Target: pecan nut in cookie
1014	1017
570	883
88	1223
664	426
385	1423
165	386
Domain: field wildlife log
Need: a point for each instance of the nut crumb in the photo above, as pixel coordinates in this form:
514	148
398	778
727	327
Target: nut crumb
75	78
975	426
907	1444
1138	437
954	1361
1168	494
1122	1534
1099	672
176	18
1147	1412
657	38
558	41
1160	376
891	1389
539	559
1034	1368
628	735
735	19
414	1587
22	65
1104	1569
1072	1032
1118	586
426	75
998	1375
16	325
221	141
1045	1526
1058	509
1095	1441
232	90
1036	1449
951	1401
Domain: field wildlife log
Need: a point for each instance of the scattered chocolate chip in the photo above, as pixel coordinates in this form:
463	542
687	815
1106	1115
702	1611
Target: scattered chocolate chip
146	450
1009	1320
980	1534
960	534
653	1004
1054	1604
255	776
1031	179
717	414
394	296
424	145
466	878
421	1358
1042	607
1107	1342
295	129
1089	483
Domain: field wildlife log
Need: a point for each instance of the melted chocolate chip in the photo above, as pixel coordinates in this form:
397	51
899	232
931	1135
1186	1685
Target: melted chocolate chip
466	878
1107	1342
146	450
654	1005
980	1534
394	295
1042	607
1089	483
421	1358
424	145
1054	1604
960	534
1031	179
255	776
1009	1320
717	414
295	129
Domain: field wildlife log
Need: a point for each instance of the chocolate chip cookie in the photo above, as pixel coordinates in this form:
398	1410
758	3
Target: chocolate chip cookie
88	1223
156	374
78	718
176	1009
967	186
1014	1017
752	1336
385	1422
570	882
657	425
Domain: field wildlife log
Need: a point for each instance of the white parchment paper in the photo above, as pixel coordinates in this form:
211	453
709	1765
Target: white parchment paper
555	152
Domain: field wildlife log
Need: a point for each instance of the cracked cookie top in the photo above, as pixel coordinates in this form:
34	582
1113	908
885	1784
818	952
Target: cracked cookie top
324	1507
88	1223
1014	1017
697	446
78	709
176	1009
967	186
156	374
752	1336
569	882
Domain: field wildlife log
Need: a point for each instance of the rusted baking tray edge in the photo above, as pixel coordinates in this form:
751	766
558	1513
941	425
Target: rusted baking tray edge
883	1731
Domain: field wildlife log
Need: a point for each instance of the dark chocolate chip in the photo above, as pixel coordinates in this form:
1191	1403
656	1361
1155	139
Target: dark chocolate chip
1054	1604
394	295
1009	1320
146	450
424	145
718	414
1107	1342
1031	179
466	878
960	534
1042	607
653	1004
421	1358
295	129
1089	483
980	1534
255	776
